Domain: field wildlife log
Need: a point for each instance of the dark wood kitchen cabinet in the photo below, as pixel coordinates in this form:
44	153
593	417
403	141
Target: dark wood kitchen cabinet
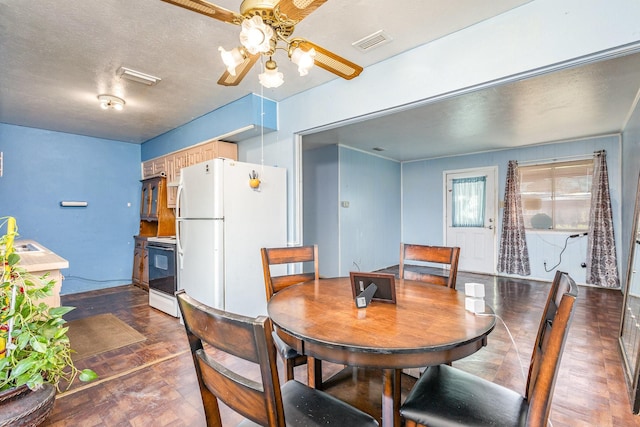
156	219
149	199
140	276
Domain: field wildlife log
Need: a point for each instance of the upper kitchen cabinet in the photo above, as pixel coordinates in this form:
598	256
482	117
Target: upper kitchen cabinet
153	167
156	219
171	164
149	199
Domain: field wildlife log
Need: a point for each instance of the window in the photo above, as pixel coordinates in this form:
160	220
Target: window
469	196
556	196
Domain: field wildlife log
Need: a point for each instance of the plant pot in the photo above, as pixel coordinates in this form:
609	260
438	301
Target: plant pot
13	393
22	407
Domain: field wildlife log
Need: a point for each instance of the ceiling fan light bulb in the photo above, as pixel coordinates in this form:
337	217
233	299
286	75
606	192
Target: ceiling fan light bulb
304	60
256	35
271	77
231	58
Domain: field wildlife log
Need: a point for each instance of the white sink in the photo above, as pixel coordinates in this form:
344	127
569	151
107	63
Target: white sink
26	247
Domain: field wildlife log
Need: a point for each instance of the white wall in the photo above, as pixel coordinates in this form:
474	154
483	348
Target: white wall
630	173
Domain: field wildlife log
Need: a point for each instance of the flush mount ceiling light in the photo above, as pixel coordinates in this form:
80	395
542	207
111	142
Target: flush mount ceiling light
137	76
111	102
267	26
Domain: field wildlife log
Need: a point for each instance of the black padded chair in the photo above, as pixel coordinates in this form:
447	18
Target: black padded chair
262	402
444	396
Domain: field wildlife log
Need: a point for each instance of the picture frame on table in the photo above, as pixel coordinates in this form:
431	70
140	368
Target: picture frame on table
385	283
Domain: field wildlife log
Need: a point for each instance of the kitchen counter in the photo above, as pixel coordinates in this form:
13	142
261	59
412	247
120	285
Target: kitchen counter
38	260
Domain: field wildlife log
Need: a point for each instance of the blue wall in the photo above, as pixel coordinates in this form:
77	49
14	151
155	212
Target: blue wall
423	208
370	225
351	209
245	111
320	206
42	168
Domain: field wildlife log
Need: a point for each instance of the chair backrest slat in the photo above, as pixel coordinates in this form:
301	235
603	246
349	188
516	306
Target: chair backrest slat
548	348
259	400
291	254
288	255
281	282
241	395
425	277
432	255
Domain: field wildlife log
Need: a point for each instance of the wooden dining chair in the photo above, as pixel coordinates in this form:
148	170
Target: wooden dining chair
444	396
261	401
290	255
428	271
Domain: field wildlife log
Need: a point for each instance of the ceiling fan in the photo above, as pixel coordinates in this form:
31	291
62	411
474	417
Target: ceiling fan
266	24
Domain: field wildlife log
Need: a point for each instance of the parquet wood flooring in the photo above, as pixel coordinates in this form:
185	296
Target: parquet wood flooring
153	383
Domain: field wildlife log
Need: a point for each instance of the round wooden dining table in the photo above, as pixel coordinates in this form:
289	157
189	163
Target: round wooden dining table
428	325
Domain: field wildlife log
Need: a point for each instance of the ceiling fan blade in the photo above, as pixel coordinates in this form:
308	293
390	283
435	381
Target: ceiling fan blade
241	70
209	9
329	60
296	10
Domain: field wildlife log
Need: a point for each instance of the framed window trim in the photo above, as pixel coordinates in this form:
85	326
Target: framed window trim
556	196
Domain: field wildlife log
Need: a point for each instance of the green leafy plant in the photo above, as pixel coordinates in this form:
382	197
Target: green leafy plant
34	347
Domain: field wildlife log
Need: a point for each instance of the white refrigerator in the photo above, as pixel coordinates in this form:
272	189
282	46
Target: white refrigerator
221	224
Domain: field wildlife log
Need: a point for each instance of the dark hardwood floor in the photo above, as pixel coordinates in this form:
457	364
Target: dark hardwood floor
153	383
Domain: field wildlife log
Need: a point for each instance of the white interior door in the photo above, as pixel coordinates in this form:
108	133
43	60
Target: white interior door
471	218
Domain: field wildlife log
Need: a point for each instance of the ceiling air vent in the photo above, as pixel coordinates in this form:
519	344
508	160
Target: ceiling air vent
374	40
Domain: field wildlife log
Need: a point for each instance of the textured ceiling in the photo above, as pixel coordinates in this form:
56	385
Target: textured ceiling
56	56
593	99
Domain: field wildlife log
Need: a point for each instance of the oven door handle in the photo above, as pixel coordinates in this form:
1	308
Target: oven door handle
160	248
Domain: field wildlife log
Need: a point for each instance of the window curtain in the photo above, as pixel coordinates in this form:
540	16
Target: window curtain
514	255
602	264
469	196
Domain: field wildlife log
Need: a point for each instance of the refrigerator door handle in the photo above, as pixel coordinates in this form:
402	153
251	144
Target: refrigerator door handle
178	194
179	249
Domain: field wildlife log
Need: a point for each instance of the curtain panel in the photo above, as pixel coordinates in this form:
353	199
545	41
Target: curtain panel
514	255
602	264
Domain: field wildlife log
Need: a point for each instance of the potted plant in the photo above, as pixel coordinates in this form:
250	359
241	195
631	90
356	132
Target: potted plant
34	347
